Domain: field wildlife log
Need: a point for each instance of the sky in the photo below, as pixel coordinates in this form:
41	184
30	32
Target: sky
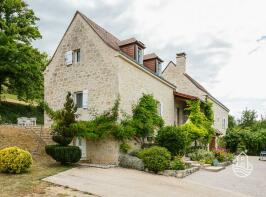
225	40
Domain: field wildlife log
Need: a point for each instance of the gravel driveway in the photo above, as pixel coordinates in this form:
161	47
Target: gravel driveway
118	182
253	185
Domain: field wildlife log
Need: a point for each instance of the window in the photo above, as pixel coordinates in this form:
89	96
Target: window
160	108
79	99
158	67
68	57
223	123
139	55
78	55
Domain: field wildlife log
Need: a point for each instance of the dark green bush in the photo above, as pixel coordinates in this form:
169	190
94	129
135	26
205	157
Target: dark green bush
124	147
174	139
64	154
155	158
177	164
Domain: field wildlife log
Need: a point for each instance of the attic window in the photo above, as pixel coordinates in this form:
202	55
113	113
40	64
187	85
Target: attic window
77	52
158	68
139	55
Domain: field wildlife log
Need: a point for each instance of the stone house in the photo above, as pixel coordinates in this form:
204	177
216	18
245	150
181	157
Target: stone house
96	67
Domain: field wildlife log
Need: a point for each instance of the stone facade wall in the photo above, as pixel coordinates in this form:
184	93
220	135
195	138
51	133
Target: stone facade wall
95	72
103	151
184	85
133	82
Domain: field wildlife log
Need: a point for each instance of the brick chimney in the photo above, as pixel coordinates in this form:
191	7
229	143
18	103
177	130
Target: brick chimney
181	62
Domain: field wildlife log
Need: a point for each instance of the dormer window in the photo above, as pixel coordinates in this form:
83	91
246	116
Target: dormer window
158	67
139	55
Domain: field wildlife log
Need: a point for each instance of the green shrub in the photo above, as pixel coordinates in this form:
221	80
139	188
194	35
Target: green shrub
229	157
174	139
124	147
64	154
155	158
200	154
14	160
177	164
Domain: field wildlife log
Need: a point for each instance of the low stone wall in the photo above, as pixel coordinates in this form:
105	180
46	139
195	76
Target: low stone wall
103	151
179	173
38	130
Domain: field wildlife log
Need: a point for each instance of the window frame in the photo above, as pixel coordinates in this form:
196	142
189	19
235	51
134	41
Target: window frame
76	100
78	55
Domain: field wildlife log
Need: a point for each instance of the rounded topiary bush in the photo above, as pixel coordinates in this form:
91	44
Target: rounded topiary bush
174	139
64	154
14	160
155	158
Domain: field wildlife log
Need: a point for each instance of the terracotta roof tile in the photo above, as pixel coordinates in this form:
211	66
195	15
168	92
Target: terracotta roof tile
151	56
130	41
107	37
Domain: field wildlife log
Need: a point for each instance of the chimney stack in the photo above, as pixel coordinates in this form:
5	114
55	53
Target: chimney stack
181	62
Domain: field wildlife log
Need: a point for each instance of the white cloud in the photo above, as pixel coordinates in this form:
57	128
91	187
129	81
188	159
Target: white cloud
219	37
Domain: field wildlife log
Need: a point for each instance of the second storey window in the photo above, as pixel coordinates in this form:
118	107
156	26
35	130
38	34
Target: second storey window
223	123
77	54
160	108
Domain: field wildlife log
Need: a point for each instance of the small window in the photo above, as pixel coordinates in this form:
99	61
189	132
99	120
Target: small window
158	67
160	108
223	123
78	55
79	99
139	55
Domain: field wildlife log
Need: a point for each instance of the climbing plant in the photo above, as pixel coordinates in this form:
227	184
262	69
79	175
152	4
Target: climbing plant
200	122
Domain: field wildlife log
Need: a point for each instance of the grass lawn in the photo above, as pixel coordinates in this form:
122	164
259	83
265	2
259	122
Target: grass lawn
30	182
43	166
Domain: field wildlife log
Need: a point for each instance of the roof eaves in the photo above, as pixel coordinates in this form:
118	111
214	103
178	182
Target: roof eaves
130	59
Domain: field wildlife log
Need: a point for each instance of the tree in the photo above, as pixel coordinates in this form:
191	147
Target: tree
248	118
145	117
21	65
231	122
62	132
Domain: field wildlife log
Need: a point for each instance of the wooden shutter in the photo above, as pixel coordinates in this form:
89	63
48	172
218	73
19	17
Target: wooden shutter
85	99
68	57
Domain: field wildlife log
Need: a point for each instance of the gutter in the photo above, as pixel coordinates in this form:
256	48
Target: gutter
141	67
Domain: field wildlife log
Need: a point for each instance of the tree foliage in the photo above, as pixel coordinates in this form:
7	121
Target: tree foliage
145	117
248	134
62	132
248	118
174	139
21	65
200	122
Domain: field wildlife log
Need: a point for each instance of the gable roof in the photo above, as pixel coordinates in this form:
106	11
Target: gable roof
199	86
107	37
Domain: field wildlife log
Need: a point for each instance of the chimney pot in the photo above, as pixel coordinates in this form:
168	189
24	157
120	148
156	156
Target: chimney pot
181	62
